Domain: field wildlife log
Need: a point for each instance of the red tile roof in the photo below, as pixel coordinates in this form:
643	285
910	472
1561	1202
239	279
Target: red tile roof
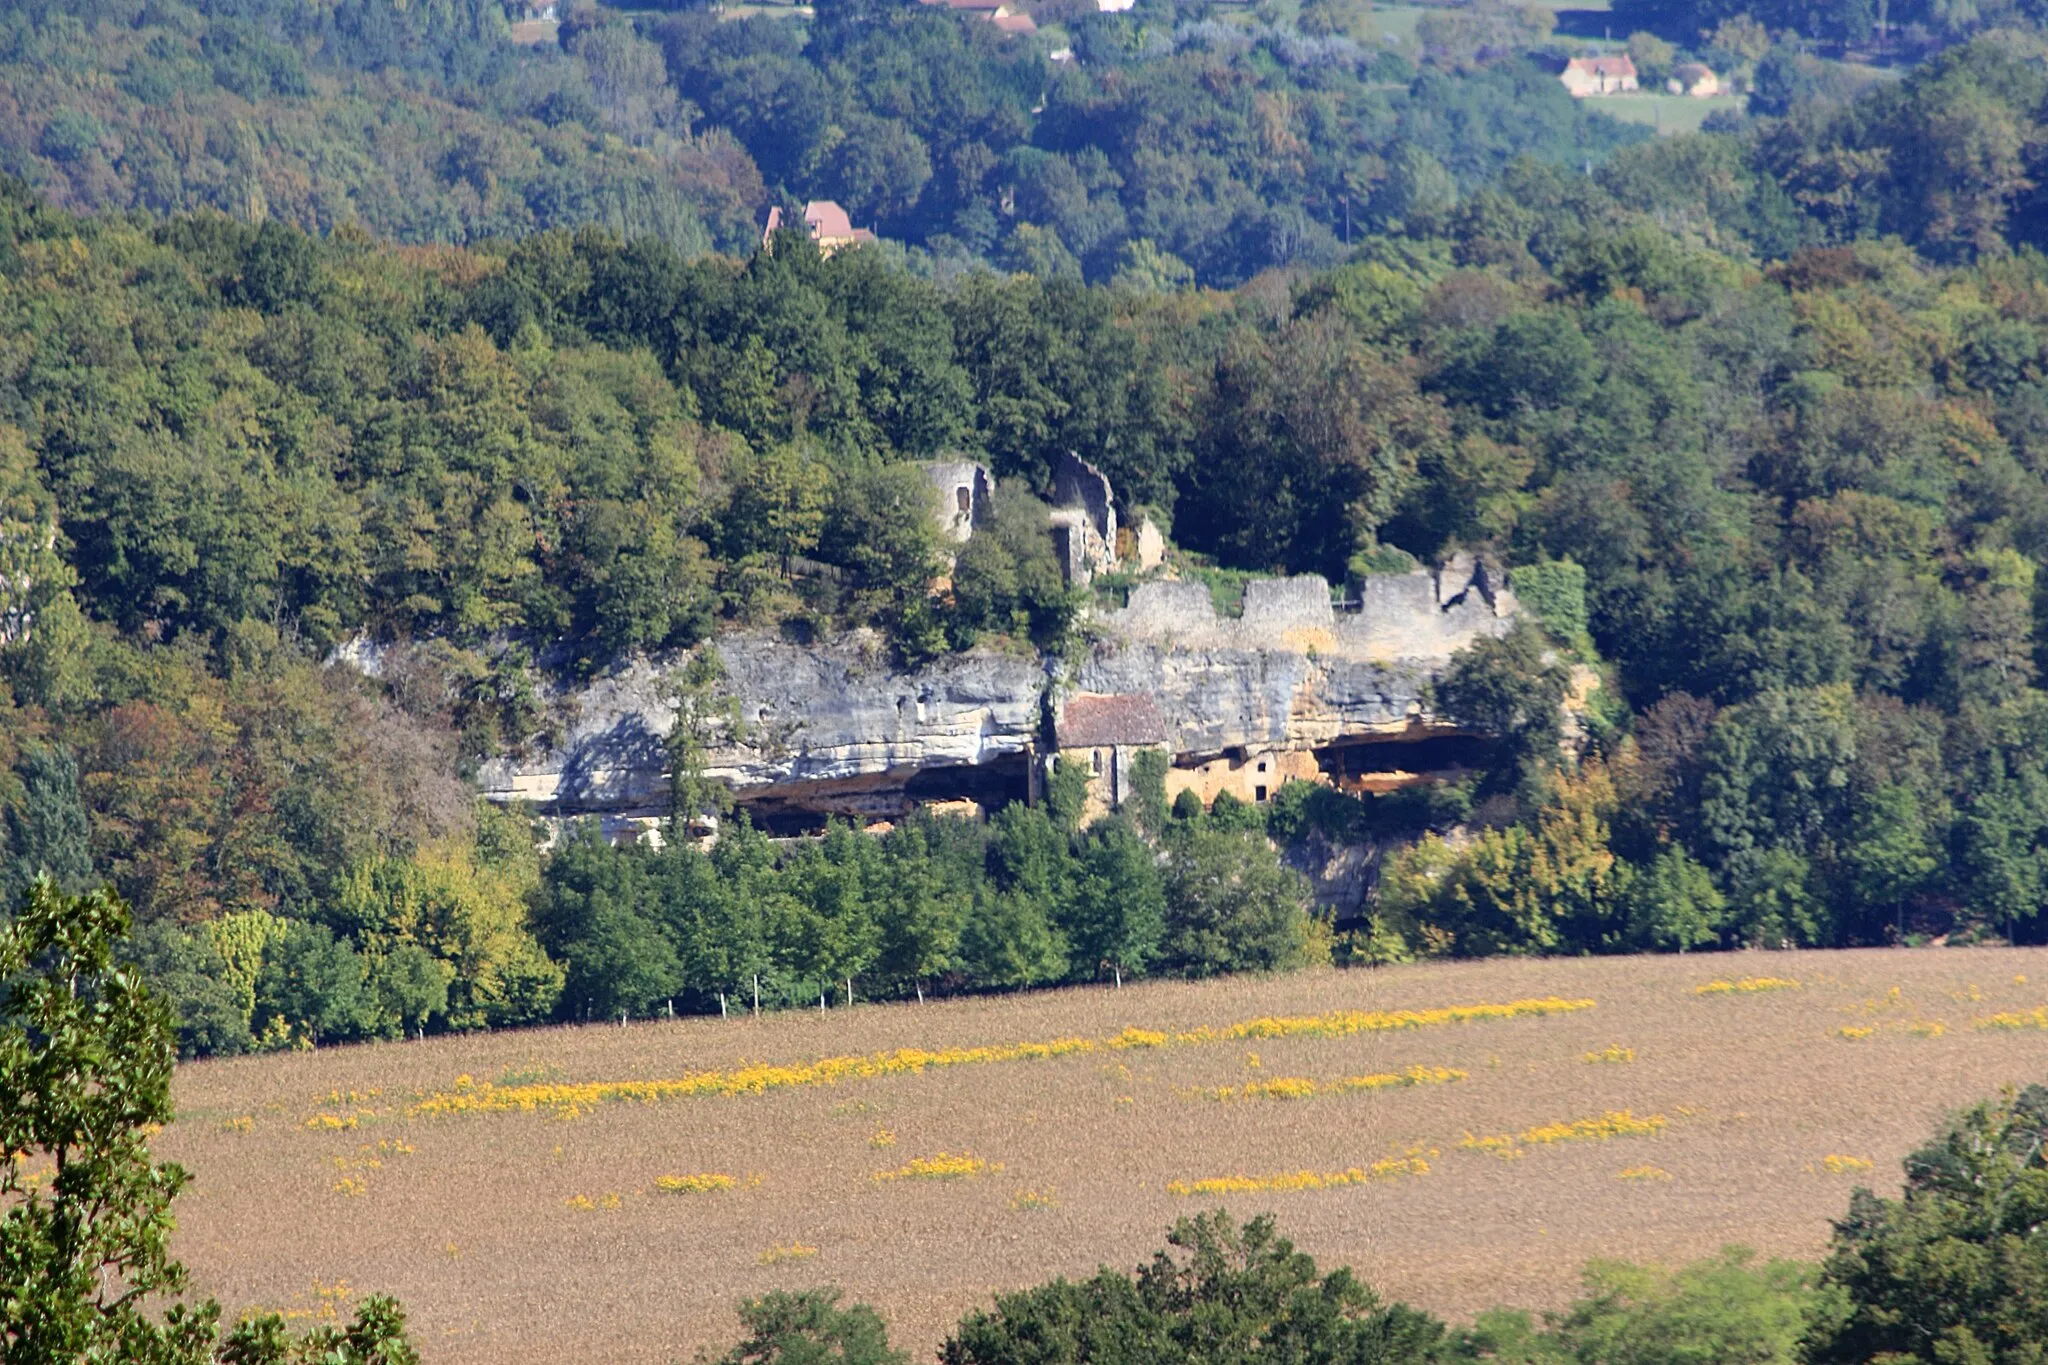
1093	720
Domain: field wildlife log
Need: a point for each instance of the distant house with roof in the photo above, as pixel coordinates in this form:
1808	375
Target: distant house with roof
1609	75
1105	733
827	223
1004	15
1695	79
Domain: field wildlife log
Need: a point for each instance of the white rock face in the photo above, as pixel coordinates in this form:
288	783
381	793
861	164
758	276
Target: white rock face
812	715
830	727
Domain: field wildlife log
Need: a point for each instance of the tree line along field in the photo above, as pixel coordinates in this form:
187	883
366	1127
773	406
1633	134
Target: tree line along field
529	1207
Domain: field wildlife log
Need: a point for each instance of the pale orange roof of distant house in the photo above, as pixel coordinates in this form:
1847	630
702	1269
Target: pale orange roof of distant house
1617	64
1013	23
826	219
827	223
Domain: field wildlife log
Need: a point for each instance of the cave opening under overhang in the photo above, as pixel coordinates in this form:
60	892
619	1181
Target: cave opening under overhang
791	810
1376	763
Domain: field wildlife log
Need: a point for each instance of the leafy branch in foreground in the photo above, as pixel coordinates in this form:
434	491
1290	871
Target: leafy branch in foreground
85	1078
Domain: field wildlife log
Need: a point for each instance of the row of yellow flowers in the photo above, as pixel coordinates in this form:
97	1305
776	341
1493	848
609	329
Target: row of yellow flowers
2014	1020
1412	1164
1614	1123
1303	1088
1344	1023
469	1096
944	1166
1748	985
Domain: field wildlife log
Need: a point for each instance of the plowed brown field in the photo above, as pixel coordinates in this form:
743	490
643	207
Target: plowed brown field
542	1235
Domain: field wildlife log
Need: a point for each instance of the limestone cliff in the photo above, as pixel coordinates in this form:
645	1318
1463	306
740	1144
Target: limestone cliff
822	725
829	728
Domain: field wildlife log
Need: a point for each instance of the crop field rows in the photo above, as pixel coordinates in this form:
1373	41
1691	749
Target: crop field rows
1462	1134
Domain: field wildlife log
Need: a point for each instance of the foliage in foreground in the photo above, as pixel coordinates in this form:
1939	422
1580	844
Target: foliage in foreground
1219	1294
1955	1271
85	1076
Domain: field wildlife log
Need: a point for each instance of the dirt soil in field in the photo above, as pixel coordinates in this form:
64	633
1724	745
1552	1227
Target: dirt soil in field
542	1236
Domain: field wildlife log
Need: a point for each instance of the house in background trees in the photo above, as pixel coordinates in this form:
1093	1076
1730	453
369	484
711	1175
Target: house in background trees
1608	75
1694	79
827	223
1012	20
1005	16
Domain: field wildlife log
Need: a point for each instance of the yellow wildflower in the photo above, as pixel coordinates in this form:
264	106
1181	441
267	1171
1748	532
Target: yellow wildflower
2014	1020
1615	1123
795	1251
568	1100
1302	1088
944	1166
1748	985
1391	1168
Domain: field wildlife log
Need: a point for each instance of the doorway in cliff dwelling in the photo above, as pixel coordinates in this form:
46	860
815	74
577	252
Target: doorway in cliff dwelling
1365	764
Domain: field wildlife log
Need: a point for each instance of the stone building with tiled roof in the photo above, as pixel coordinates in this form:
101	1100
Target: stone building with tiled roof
1106	733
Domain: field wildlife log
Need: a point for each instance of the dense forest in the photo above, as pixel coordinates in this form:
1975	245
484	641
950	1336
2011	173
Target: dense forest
1174	144
1757	416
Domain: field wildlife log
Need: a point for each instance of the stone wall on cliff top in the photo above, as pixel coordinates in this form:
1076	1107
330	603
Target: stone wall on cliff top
1291	672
